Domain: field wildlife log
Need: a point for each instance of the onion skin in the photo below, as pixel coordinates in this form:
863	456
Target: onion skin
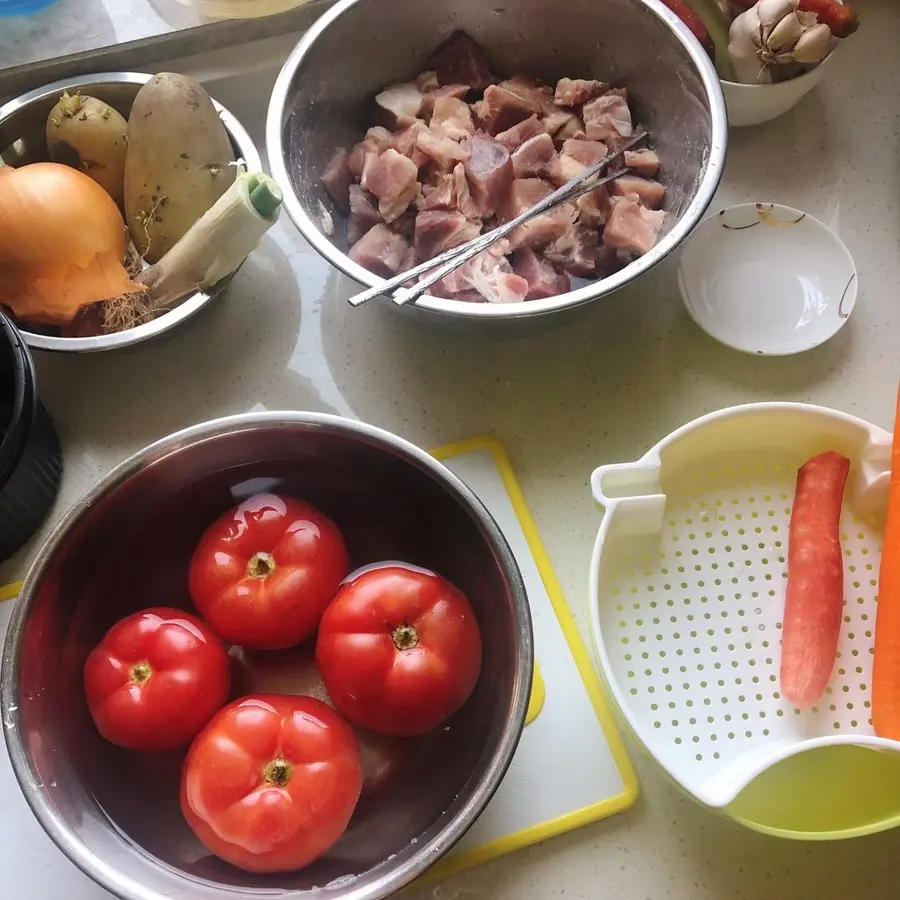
63	244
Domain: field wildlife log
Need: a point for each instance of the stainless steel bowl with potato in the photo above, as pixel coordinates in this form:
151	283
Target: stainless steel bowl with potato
167	155
521	81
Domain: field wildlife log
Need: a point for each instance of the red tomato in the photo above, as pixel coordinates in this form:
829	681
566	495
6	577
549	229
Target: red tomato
155	679
294	672
264	571
399	650
271	783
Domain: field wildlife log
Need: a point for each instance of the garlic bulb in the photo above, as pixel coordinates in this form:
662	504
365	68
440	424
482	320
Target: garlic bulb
772	35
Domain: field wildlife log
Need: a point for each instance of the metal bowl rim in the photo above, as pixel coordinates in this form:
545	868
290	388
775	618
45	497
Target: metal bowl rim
275	122
187	308
101	870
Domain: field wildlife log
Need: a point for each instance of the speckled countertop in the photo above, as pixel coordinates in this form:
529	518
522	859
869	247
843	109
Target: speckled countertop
600	389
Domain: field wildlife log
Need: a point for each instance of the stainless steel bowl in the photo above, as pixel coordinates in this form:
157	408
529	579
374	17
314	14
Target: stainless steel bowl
323	98
22	126
126	545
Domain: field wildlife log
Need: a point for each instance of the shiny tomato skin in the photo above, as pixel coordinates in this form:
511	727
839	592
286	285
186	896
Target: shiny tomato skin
271	783
265	570
399	650
156	679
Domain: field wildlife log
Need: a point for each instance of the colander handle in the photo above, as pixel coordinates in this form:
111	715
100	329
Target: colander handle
626	480
634	491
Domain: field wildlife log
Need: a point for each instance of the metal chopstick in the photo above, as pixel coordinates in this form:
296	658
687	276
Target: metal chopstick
452	259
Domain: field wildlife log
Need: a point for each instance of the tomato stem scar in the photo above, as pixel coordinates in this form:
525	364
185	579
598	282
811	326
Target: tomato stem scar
140	672
261	565
278	772
405	637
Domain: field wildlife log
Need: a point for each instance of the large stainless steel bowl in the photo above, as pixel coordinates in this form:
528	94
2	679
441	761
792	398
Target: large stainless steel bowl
126	546
22	125
323	97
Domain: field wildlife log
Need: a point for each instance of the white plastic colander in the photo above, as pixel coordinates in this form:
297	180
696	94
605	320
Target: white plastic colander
688	584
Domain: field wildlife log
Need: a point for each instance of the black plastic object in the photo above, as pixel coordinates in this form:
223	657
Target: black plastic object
30	457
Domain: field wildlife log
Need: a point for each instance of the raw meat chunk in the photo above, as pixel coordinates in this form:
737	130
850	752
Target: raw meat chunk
490	173
563	124
542	229
406	142
500	109
445	152
632	226
575	157
379	138
565	169
452	118
363	213
457	91
499	284
576	91
491	275
576	251
337	178
649	192
401	104
391	208
465	203
573	128
441	195
607	116
644	161
535	157
593	208
452	192
531	92
427	81
380	251
462	61
438	230
524	193
376	141
543	280
405	224
514	137
393	179
588	153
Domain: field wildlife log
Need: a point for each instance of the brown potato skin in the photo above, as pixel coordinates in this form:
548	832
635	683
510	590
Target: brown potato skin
179	162
89	135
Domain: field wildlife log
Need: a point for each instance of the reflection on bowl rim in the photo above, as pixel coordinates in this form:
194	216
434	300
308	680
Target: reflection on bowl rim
245	149
279	112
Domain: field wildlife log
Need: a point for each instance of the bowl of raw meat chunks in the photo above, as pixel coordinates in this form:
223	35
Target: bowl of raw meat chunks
401	130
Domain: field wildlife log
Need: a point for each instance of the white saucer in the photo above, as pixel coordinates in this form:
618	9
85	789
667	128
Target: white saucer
765	278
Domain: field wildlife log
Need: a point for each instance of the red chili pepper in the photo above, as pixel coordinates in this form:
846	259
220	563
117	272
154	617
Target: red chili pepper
839	17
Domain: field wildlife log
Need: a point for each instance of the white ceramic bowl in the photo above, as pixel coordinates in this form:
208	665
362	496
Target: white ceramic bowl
753	104
767	279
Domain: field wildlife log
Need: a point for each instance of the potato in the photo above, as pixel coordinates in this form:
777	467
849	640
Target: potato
179	162
88	134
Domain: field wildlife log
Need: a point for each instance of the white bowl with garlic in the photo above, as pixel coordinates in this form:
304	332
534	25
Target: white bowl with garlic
778	51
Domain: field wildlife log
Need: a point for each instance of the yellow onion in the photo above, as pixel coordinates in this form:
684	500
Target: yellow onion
62	243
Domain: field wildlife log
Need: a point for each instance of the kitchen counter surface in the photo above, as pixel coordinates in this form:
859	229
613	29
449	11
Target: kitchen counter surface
598	389
79	26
